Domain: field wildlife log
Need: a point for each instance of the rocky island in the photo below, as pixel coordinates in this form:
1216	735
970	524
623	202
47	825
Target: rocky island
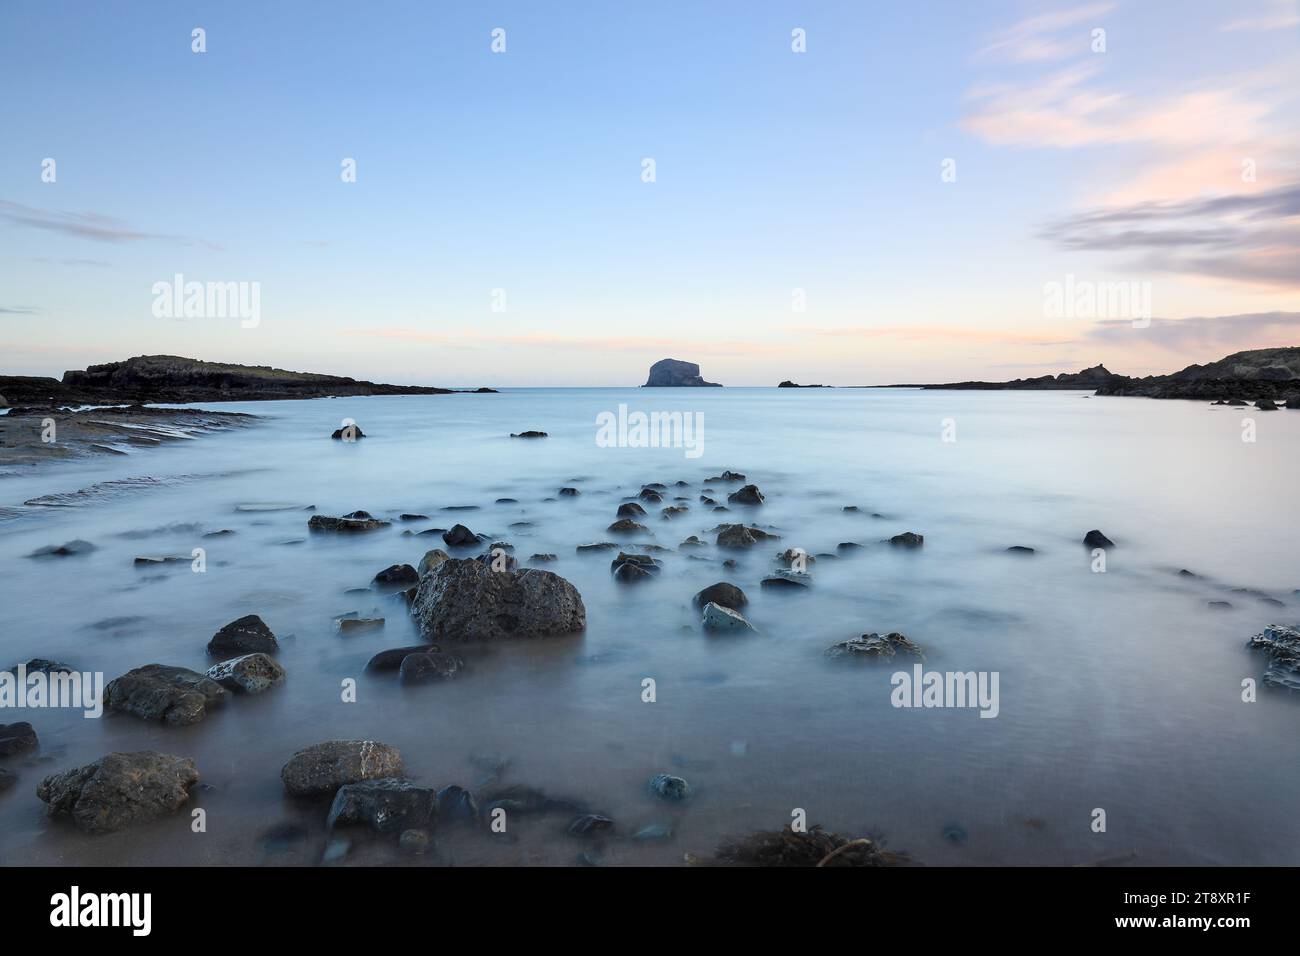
172	379
673	373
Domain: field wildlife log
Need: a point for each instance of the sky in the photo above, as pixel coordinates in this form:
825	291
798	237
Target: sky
840	192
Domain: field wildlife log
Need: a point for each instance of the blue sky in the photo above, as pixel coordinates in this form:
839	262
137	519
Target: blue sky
775	171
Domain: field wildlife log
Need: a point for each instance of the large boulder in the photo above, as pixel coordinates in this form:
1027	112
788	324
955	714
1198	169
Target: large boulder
748	495
727	595
675	373
1282	645
248	635
356	521
249	674
465	600
424	666
323	768
388	805
873	647
174	695
120	789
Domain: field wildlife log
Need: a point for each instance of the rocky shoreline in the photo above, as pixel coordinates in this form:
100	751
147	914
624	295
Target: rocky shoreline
472	592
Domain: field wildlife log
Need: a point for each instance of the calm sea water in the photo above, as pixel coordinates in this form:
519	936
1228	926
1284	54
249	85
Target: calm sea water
1118	690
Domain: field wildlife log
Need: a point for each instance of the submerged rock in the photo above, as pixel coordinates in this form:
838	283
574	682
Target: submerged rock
634	567
719	618
457	803
17	738
874	647
249	674
630	509
391	659
460	537
323	768
1282	645
626	526
736	536
65	550
908	539
748	495
785	578
590	824
528	434
397	575
1019	549
464	600
359	625
1095	539
387	805
174	695
727	595
425	666
120	790
348	433
727	476
356	521
667	787
248	635
814	848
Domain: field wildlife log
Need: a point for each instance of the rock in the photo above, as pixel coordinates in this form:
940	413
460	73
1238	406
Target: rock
1219	605
423	666
748	495
590	824
17	738
43	666
408	516
693	542
323	768
845	547
462	600
908	539
596	546
790	576
248	635
727	476
626	526
460	537
1282	645
359	625
120	789
650	495
173	695
735	536
673	511
457	803
386	805
529	434
719	618
397	575
1266	404
790	556
1293	402
634	567
415	841
630	509
875	647
356	521
653	833
1095	539
391	659
430	561
569	492
674	373
1019	549
348	433
249	674
65	550
543	559
812	848
722	593
667	787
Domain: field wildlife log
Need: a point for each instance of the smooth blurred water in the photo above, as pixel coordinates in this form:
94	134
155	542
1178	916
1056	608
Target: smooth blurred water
1119	690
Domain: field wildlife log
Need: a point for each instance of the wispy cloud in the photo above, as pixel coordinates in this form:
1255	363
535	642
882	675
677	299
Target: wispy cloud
1246	238
18	310
1047	36
87	225
943	333
1273	15
1212	336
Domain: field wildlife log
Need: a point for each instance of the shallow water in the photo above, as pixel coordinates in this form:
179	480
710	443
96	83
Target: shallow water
1119	690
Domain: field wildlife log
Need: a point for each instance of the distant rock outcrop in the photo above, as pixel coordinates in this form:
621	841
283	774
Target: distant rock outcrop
673	373
172	379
